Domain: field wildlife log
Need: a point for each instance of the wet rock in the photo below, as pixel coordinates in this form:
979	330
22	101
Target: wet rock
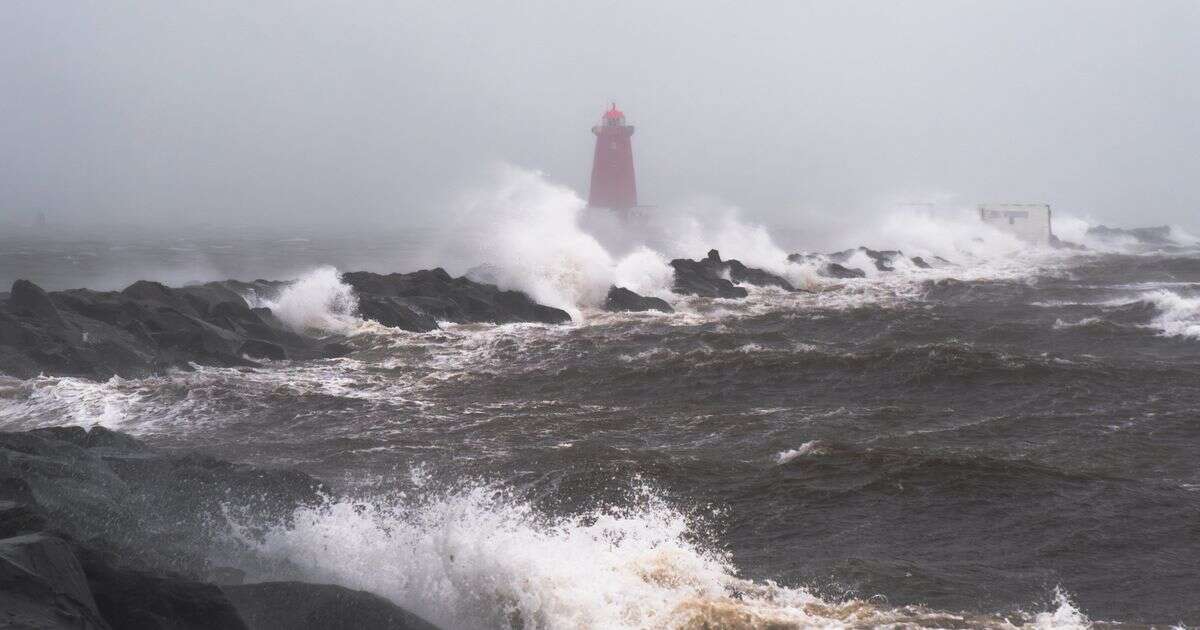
42	585
301	606
713	277
29	299
920	263
417	301
156	508
394	312
837	270
882	259
622	299
129	598
149	327
259	349
132	538
19	518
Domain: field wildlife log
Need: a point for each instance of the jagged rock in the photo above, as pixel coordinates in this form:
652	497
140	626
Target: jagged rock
140	330
148	326
259	349
394	312
42	585
622	299
129	598
29	299
17	519
920	262
713	277
882	259
837	270
95	437
417	301
131	552
301	606
156	507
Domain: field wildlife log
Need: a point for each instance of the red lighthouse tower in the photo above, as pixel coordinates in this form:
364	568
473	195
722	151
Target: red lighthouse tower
613	183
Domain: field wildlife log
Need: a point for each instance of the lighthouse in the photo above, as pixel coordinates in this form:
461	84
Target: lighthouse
613	183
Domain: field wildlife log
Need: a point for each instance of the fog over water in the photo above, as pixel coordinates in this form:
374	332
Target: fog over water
807	115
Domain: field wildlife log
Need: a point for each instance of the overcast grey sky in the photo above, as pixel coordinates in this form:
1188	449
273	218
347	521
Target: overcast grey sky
374	112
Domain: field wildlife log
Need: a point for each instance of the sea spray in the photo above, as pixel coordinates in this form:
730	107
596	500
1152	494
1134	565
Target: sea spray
532	241
1177	315
540	238
318	300
482	557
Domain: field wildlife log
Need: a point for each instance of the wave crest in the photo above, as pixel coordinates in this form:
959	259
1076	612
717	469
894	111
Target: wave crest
318	300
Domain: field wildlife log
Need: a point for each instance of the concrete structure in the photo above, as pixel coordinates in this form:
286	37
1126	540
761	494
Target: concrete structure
1029	222
613	184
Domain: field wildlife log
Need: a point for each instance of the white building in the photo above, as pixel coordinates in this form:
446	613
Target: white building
1029	222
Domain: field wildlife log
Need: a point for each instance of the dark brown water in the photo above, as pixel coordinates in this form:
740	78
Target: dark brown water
952	447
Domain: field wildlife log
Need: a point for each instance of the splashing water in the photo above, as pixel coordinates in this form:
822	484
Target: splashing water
1178	316
482	558
318	300
533	240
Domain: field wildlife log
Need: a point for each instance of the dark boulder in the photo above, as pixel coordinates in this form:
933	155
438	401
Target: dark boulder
42	585
693	278
713	277
27	298
149	327
157	508
19	518
837	270
882	259
742	274
622	299
397	312
301	606
133	551
129	598
417	301
259	349
141	330
920	263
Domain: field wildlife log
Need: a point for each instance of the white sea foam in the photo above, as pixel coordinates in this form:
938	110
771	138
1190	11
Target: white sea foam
318	300
531	239
812	447
537	237
484	558
1060	324
1178	316
1065	615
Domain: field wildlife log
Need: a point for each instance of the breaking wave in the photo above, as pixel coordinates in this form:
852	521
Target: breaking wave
813	447
1178	315
318	300
481	557
532	242
537	238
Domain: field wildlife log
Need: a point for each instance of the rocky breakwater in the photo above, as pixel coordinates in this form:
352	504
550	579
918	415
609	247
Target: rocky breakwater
149	327
715	278
98	531
837	264
418	301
